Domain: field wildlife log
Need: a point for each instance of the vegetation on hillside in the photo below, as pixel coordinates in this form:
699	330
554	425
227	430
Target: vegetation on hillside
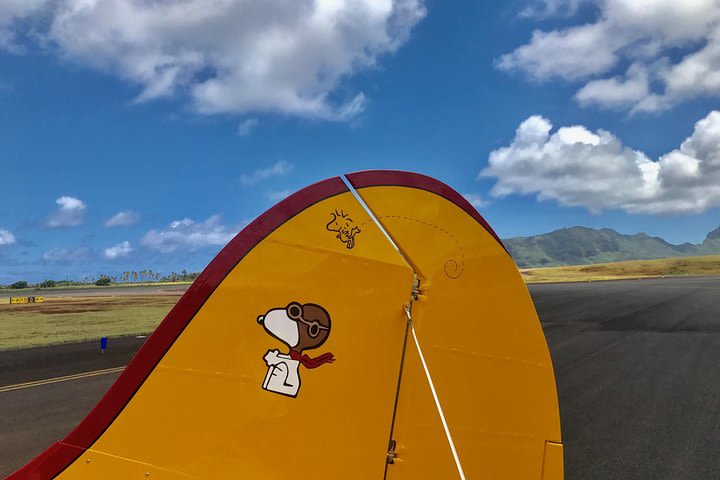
582	246
701	265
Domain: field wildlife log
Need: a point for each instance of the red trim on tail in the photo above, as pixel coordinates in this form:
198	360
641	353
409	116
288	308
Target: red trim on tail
60	455
378	178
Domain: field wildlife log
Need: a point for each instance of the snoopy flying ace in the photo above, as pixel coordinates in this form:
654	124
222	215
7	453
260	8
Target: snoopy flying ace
301	327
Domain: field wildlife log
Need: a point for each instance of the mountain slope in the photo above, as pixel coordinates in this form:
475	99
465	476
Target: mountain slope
582	245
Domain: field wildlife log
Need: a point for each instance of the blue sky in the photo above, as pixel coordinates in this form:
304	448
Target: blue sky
193	128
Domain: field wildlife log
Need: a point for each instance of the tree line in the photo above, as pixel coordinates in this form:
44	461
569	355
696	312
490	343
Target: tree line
126	277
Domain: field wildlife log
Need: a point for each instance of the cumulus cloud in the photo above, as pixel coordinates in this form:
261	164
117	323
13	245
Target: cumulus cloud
277	170
617	92
186	234
122	249
12	11
70	213
226	56
6	237
578	167
476	200
548	8
277	195
672	47
123	218
247	126
67	255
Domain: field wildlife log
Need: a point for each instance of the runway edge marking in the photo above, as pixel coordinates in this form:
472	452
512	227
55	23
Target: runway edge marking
65	378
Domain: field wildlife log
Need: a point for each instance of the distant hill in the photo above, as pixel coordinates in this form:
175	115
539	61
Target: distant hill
582	245
714	235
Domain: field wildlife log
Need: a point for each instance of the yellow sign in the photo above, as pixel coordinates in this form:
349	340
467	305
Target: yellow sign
35	299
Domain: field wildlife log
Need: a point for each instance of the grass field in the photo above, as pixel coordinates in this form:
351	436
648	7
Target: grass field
48	290
73	319
704	265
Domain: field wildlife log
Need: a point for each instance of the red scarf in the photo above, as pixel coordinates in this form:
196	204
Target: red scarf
309	362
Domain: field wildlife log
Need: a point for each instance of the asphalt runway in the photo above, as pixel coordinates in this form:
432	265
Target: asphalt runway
637	366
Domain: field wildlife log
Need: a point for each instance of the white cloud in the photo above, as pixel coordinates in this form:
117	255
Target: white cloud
228	56
67	255
247	126
123	218
276	196
189	235
476	200
278	169
571	54
10	12
647	34
70	203
122	249
616	92
548	8
577	167
6	237
70	213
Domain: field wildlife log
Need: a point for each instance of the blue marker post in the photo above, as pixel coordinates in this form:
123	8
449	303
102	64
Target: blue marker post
103	344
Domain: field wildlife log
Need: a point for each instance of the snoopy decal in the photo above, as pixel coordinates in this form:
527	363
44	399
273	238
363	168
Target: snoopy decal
343	225
301	327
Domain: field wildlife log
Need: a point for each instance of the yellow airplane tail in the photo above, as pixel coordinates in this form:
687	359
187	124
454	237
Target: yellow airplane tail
378	331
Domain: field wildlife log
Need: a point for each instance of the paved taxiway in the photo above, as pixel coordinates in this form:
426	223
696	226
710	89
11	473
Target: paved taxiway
637	366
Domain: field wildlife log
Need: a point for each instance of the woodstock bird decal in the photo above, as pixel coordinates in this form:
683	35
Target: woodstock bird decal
344	226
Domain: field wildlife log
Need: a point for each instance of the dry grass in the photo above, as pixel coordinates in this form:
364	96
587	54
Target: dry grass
18	292
73	319
704	265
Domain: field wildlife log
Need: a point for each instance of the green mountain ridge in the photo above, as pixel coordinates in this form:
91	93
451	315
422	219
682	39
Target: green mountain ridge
714	235
583	245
